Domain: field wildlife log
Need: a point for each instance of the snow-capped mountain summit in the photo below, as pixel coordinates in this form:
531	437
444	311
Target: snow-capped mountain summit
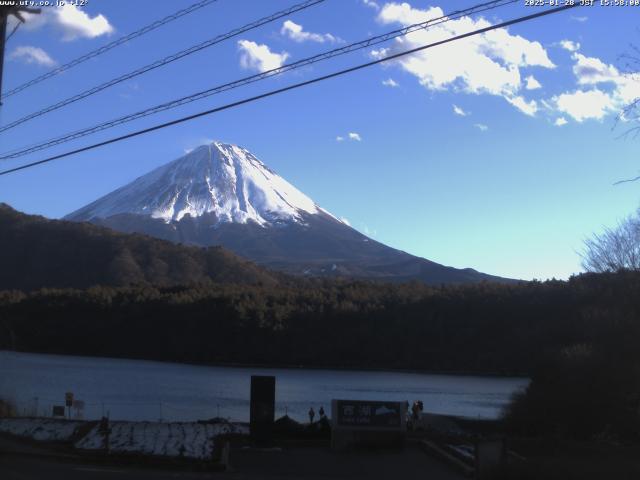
221	194
220	179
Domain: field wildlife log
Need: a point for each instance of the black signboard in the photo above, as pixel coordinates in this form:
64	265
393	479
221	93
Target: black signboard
362	413
263	404
58	410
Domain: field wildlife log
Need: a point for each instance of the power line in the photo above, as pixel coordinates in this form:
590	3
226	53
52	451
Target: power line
165	61
254	78
108	46
291	87
15	29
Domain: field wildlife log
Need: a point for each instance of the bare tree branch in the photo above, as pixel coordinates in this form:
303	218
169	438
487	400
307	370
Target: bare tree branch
615	248
630	113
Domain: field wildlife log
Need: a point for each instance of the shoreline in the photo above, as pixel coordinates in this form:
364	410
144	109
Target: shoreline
455	373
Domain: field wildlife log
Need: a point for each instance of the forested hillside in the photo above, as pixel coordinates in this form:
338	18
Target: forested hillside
36	252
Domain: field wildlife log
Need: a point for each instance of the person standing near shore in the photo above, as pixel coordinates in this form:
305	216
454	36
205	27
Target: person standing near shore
321	412
312	414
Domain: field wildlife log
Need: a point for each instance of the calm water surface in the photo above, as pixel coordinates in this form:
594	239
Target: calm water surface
145	390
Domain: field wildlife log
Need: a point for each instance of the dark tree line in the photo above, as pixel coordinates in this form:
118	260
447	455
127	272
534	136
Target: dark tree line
505	329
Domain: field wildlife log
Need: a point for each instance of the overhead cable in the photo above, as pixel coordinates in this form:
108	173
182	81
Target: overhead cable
291	87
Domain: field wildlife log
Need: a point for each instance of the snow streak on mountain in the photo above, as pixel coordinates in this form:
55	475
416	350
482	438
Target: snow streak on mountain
219	178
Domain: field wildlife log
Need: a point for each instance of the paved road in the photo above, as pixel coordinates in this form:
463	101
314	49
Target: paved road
308	464
323	464
32	468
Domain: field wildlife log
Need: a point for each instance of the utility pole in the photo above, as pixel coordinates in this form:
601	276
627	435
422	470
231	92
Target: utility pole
16	10
3	35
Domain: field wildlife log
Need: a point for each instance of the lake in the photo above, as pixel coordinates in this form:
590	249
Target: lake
146	390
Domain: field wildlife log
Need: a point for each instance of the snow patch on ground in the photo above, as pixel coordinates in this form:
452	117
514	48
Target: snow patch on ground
177	439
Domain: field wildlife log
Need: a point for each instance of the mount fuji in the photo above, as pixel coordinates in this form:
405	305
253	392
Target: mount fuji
221	194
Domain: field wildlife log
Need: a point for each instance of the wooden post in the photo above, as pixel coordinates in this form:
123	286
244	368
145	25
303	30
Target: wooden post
3	33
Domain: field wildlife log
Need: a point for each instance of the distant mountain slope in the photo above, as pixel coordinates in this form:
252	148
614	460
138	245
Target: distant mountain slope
36	252
221	194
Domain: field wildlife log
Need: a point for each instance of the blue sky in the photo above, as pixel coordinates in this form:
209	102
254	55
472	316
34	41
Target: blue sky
496	154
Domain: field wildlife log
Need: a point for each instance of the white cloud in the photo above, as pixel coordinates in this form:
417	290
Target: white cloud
259	57
591	70
584	105
390	82
296	33
560	122
36	55
494	63
481	126
76	23
72	21
607	90
628	89
383	52
371	4
353	136
528	108
579	19
489	63
532	83
459	111
570	45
